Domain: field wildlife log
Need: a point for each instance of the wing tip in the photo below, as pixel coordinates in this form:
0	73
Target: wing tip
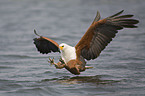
36	33
97	18
120	12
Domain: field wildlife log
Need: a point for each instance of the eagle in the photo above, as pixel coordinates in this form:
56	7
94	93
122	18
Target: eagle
97	37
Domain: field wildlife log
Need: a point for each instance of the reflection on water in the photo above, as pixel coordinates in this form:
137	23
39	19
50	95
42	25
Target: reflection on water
95	80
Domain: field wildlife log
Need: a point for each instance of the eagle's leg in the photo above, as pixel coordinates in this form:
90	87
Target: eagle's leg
58	65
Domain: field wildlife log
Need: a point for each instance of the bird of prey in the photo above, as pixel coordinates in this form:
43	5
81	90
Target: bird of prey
97	37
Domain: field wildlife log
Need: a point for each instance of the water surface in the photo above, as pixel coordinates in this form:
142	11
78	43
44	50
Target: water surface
118	71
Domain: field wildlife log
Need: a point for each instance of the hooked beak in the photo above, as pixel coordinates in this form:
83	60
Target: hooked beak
60	47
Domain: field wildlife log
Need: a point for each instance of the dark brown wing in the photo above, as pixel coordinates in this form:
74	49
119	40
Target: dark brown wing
100	33
45	45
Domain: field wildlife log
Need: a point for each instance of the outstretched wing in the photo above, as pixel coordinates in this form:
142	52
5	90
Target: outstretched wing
45	45
100	33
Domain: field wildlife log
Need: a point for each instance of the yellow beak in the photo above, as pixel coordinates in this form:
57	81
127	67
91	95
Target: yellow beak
61	48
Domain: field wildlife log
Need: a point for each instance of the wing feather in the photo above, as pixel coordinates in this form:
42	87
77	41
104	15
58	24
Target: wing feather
45	45
100	34
97	18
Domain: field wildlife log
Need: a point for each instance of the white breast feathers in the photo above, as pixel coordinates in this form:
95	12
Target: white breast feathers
68	53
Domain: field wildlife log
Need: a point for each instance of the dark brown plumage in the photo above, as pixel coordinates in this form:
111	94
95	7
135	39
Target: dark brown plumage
45	45
100	33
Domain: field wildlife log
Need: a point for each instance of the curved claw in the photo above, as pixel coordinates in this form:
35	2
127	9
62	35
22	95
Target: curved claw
62	61
51	61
